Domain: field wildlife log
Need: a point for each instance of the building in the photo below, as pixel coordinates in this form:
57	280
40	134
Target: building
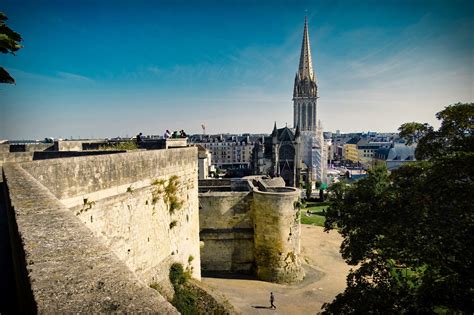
359	147
395	156
367	148
228	151
305	90
305	97
279	155
350	152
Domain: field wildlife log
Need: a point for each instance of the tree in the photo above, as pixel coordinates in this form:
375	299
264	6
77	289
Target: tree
9	43
308	189
455	133
409	232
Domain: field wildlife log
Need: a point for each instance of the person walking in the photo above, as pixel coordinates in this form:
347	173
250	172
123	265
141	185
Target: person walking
272	299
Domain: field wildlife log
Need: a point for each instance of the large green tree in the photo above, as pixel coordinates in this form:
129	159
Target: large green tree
455	134
9	44
409	233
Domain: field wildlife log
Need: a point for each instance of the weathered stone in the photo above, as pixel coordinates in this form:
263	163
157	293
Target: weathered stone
253	231
277	234
63	266
125	241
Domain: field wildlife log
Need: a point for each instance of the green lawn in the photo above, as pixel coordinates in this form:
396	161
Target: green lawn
317	216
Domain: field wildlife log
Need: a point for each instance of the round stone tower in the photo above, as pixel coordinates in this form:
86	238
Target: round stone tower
277	234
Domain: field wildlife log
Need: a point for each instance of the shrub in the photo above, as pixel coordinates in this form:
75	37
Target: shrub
184	298
177	275
120	146
185	301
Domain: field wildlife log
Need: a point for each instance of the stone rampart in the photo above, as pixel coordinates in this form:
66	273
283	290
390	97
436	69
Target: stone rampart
80	176
60	265
277	234
257	231
140	208
20	156
68	145
15	157
227	231
27	147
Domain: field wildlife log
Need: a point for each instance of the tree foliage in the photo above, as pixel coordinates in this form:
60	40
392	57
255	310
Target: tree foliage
409	232
9	43
455	133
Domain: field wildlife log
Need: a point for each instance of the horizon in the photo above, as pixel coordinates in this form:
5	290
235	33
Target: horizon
102	69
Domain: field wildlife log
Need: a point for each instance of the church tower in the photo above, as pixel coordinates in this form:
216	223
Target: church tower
305	91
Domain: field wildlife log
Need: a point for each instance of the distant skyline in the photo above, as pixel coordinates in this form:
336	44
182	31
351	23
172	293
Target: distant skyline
116	68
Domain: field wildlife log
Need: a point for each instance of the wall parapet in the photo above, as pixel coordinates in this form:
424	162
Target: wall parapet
94	173
63	267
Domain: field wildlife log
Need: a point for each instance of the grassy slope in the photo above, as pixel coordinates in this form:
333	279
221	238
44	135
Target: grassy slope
316	218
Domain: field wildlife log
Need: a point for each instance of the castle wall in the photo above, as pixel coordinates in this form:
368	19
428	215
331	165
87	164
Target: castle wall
277	234
60	266
144	233
81	176
256	231
34	152
68	145
14	157
226	231
125	202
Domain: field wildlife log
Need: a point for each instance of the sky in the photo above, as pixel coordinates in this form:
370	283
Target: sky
92	69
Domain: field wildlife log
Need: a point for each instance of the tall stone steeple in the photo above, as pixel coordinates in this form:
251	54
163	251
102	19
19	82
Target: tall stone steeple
305	91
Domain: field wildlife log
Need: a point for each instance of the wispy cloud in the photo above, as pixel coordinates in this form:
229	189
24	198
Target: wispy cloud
74	77
58	77
154	70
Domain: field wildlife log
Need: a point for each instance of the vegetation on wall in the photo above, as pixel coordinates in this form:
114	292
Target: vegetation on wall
184	299
410	231
87	205
171	194
119	146
168	190
173	224
190	299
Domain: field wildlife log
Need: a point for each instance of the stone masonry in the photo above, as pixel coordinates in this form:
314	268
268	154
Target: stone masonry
90	234
251	226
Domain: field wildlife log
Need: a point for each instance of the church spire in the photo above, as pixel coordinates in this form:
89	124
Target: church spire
305	70
305	80
305	90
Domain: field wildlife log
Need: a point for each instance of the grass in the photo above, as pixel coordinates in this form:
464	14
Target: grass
317	216
120	146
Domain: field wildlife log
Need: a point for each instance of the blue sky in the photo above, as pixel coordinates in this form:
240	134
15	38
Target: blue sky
110	68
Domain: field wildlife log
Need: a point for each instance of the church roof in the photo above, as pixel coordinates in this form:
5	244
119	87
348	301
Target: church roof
285	134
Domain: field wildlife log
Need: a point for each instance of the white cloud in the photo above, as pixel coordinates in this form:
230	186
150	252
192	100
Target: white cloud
74	77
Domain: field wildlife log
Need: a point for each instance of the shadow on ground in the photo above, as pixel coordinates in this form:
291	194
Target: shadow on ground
264	307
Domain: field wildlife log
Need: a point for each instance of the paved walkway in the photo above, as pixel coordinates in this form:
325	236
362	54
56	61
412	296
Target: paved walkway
326	277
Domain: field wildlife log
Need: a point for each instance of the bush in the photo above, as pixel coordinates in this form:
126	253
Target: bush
185	301
177	275
120	146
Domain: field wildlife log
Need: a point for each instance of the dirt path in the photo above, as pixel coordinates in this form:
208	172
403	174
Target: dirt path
326	277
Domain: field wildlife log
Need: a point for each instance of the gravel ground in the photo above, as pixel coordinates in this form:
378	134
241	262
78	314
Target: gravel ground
325	277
